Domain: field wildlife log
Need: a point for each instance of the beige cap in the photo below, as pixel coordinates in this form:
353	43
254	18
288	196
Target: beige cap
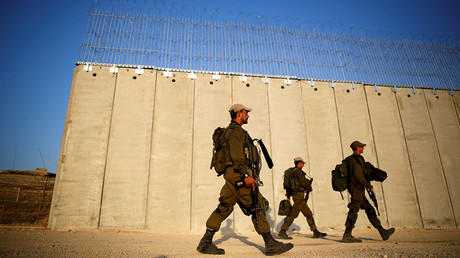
356	144
298	159
239	107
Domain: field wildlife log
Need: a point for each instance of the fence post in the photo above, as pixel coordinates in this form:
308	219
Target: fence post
19	191
41	201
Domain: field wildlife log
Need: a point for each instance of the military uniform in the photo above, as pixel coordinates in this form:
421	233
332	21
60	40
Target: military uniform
239	180
356	184
300	205
357	181
300	185
233	191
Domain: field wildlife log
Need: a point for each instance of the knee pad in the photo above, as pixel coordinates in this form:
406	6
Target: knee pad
224	210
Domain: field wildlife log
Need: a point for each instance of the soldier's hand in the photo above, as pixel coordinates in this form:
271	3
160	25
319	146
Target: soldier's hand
250	182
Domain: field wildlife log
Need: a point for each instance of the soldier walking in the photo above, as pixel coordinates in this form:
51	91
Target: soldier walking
356	184
298	185
239	184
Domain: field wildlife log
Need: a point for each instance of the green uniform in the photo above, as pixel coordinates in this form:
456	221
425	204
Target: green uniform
357	182
298	196
234	191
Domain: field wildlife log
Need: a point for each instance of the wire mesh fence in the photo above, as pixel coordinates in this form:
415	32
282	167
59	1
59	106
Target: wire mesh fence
25	206
167	35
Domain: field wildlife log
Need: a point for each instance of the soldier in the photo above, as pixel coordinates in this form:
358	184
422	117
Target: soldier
239	182
297	189
356	182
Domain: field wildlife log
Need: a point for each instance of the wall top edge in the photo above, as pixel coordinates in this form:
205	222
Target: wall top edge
258	75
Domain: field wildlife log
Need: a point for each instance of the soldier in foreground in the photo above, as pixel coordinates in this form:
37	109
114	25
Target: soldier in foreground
296	184
356	184
239	188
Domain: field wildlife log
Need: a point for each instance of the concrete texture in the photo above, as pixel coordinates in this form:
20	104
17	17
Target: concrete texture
355	125
288	137
446	130
169	198
78	191
127	171
136	152
400	196
324	152
427	171
208	115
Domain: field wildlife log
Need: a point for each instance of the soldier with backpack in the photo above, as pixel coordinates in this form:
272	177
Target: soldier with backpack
357	182
296	184
236	157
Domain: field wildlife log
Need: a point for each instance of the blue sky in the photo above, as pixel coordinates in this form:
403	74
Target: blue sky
40	42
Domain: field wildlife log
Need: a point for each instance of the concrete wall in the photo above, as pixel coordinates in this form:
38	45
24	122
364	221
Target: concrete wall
136	149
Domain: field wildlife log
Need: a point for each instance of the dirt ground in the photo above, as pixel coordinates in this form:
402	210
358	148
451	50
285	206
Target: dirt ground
38	242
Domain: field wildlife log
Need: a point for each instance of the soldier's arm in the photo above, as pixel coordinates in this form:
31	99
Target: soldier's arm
235	143
359	174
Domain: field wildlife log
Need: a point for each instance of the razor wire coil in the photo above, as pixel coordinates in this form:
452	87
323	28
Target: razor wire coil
167	35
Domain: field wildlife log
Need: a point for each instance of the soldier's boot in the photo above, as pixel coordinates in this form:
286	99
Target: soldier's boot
273	247
282	234
206	246
348	238
385	233
317	234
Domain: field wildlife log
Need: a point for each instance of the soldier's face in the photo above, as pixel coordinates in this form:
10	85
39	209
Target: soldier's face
301	164
360	150
244	116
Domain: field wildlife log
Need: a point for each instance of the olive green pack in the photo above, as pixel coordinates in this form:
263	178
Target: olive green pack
290	182
221	151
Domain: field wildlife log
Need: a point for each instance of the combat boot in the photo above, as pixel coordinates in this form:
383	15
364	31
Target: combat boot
282	234
348	238
206	246
275	247
317	234
386	233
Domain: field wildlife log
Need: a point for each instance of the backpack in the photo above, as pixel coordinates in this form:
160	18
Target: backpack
339	177
220	152
289	182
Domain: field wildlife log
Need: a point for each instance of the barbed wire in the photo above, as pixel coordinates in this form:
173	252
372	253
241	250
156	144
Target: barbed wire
168	35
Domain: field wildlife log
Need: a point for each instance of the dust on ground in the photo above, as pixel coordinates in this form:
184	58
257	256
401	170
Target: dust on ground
38	242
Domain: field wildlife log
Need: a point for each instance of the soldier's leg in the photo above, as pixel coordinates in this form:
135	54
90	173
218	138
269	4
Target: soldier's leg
290	218
357	197
261	225
372	216
224	209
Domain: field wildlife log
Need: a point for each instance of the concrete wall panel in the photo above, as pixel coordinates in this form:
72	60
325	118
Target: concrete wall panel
128	157
355	124
288	137
136	152
169	194
325	152
457	104
77	195
254	93
400	195
447	133
212	102
435	206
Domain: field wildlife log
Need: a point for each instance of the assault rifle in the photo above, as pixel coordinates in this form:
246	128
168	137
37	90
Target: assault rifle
374	200
307	193
255	168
